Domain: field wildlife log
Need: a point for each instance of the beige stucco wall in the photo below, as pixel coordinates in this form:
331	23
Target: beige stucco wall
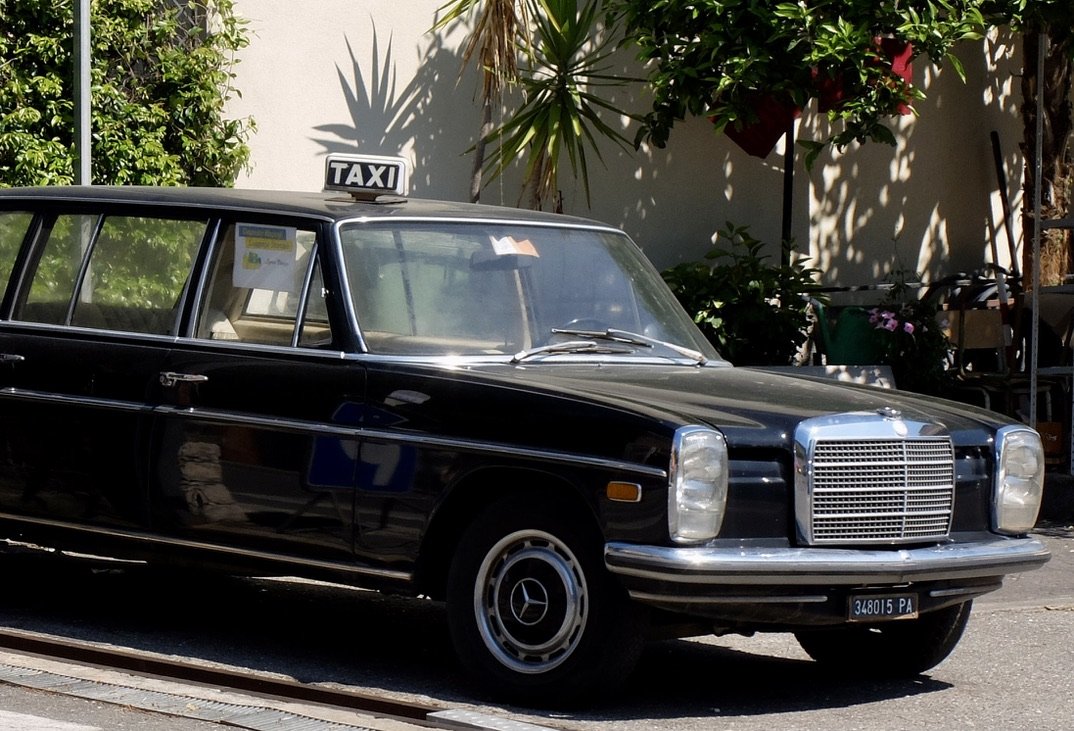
339	75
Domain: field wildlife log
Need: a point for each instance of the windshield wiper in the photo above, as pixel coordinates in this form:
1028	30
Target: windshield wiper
631	338
570	346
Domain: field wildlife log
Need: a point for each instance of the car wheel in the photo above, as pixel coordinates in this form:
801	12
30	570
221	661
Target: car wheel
533	613
898	648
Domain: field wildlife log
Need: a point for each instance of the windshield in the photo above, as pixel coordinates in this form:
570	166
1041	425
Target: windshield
463	288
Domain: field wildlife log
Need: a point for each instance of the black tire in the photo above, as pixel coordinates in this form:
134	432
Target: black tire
534	614
893	649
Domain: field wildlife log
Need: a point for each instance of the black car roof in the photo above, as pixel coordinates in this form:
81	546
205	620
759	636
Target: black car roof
326	205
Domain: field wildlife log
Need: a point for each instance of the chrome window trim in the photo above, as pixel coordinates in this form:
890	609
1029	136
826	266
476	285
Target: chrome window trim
83	267
172	340
337	244
197	293
350	316
79	330
387	218
264	348
53	200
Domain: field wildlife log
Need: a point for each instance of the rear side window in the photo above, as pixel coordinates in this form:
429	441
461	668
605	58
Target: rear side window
13	225
124	273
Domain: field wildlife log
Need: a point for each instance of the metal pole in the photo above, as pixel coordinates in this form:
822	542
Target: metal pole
83	154
1038	150
788	193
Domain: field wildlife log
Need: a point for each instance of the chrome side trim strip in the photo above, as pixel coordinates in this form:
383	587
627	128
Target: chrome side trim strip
294	425
514	451
343	432
738	566
19	394
461	445
401	576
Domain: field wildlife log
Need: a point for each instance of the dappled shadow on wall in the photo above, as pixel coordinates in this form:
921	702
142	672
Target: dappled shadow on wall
925	205
423	115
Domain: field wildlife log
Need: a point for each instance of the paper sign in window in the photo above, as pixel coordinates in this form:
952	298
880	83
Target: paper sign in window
510	245
265	257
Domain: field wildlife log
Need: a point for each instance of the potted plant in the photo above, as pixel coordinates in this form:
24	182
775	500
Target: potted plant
909	338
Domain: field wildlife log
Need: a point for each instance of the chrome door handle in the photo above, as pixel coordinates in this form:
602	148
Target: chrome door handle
169	379
11	358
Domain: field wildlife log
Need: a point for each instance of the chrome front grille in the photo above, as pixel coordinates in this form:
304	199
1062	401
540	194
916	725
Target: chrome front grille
880	488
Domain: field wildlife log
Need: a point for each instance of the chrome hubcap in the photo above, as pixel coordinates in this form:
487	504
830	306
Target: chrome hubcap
530	601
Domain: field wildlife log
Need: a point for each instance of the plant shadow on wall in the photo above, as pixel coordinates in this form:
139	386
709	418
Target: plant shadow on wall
386	119
920	200
755	312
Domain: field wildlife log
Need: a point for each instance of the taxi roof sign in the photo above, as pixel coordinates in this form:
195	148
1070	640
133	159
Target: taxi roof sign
366	176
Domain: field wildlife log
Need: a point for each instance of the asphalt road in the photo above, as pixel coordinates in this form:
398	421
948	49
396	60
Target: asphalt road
1013	668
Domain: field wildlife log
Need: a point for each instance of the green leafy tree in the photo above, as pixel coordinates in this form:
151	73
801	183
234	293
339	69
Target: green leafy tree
723	58
161	77
736	60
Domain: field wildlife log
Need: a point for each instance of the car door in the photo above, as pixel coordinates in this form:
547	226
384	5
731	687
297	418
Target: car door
82	349
257	437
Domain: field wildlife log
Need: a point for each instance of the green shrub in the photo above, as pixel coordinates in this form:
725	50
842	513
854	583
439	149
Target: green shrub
754	312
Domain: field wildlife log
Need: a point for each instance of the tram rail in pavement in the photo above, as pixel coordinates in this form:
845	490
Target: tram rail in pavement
251	700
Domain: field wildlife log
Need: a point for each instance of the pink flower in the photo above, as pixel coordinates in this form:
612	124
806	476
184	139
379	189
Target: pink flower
890	325
908	328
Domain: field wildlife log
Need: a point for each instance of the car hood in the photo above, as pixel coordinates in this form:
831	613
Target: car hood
752	407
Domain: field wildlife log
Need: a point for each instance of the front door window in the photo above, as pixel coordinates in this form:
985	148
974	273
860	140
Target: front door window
260	283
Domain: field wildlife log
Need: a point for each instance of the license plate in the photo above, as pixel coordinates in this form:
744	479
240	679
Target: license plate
875	607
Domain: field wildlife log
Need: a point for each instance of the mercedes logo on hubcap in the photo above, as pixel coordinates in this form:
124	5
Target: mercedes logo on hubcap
529	602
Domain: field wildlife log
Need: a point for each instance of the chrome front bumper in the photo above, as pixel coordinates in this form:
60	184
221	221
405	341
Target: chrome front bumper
695	569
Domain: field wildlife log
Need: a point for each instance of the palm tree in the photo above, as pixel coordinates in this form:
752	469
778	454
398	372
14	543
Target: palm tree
565	55
494	39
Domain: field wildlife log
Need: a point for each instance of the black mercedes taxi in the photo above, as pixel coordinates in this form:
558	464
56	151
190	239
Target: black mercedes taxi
500	409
